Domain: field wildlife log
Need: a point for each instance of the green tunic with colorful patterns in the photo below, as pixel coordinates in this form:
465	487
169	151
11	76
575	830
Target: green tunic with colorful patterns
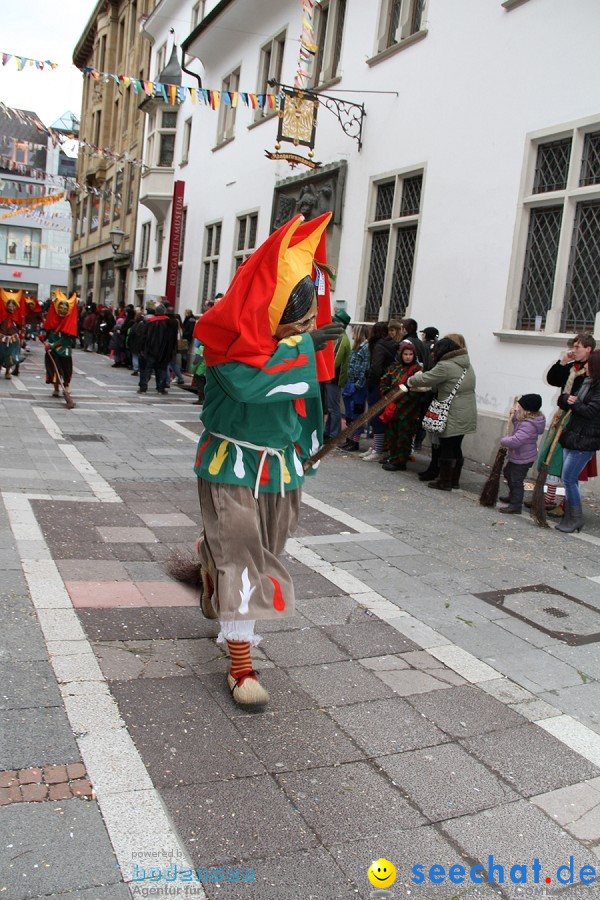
273	408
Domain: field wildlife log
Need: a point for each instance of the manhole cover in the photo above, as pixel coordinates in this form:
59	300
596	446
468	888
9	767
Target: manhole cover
559	613
83	437
539	605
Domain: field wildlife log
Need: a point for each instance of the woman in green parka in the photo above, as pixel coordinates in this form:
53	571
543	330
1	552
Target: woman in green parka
451	361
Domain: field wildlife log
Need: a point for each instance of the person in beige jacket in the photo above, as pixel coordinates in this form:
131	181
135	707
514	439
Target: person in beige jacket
450	361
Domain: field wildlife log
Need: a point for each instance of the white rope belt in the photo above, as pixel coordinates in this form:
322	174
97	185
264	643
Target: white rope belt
264	452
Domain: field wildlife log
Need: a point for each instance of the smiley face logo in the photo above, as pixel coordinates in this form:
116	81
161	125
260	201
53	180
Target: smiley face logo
381	873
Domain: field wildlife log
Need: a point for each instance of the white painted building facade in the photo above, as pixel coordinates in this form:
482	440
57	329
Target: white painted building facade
472	205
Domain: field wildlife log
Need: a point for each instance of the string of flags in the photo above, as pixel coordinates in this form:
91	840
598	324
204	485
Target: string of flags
20	201
67	182
34	204
23	61
172	94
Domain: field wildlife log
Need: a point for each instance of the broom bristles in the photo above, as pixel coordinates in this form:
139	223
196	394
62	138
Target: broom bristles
538	505
184	565
489	494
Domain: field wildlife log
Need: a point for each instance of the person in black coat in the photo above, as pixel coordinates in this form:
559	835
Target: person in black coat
187	334
568	374
409	333
580	439
158	349
382	353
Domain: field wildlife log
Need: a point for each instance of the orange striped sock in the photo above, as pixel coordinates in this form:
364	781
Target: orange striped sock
239	652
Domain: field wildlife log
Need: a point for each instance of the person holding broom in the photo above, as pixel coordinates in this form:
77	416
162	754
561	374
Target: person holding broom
402	415
528	424
59	334
266	350
580	440
567	374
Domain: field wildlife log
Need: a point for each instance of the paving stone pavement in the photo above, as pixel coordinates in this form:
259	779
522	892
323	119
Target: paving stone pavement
419	713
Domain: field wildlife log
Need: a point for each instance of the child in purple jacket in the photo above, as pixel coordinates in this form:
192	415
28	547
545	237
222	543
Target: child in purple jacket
528	424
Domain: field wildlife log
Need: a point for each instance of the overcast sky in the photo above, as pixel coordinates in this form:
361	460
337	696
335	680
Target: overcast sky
42	29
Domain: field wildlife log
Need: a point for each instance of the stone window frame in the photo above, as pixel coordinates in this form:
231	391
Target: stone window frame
569	198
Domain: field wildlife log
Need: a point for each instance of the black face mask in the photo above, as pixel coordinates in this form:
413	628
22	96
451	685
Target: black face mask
300	301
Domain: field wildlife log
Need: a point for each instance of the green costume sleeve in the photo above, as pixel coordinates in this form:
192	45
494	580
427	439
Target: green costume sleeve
277	406
61	344
290	373
342	358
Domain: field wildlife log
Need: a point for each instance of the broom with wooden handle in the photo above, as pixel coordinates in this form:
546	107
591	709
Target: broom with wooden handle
489	494
369	413
66	394
538	506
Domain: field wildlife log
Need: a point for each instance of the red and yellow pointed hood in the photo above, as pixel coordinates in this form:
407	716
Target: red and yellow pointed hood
66	324
11	306
241	326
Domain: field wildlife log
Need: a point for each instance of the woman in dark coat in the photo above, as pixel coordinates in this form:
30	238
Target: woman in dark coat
382	353
579	440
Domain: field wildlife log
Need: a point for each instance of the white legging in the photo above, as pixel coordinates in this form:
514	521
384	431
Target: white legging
239	630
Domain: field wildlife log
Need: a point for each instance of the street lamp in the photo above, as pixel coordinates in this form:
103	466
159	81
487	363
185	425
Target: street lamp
116	238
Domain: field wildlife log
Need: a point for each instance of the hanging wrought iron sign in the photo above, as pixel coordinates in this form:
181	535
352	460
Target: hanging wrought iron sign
297	115
298	120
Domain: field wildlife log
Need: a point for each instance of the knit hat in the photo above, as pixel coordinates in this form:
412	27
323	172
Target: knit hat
405	345
159	309
342	316
531	402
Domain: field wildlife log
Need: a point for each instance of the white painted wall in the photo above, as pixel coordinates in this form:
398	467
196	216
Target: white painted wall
468	95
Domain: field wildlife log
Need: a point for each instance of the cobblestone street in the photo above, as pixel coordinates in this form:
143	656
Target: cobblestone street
435	699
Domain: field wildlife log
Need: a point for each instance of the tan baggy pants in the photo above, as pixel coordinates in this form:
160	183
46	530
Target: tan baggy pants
243	538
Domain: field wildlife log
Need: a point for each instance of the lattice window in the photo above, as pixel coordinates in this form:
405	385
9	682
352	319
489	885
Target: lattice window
385	201
246	238
558	289
403	269
394	21
582	301
417	16
590	163
269	69
398	20
330	16
379	249
392	250
210	265
227	113
552	166
337	38
411	196
540	266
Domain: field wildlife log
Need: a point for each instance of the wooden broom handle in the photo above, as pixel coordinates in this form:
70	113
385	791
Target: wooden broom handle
559	431
369	413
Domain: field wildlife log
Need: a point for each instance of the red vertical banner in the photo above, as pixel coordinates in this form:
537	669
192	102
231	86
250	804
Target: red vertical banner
174	242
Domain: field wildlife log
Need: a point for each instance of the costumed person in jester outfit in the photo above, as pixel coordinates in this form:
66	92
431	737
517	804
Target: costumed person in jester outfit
11	322
59	334
267	346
